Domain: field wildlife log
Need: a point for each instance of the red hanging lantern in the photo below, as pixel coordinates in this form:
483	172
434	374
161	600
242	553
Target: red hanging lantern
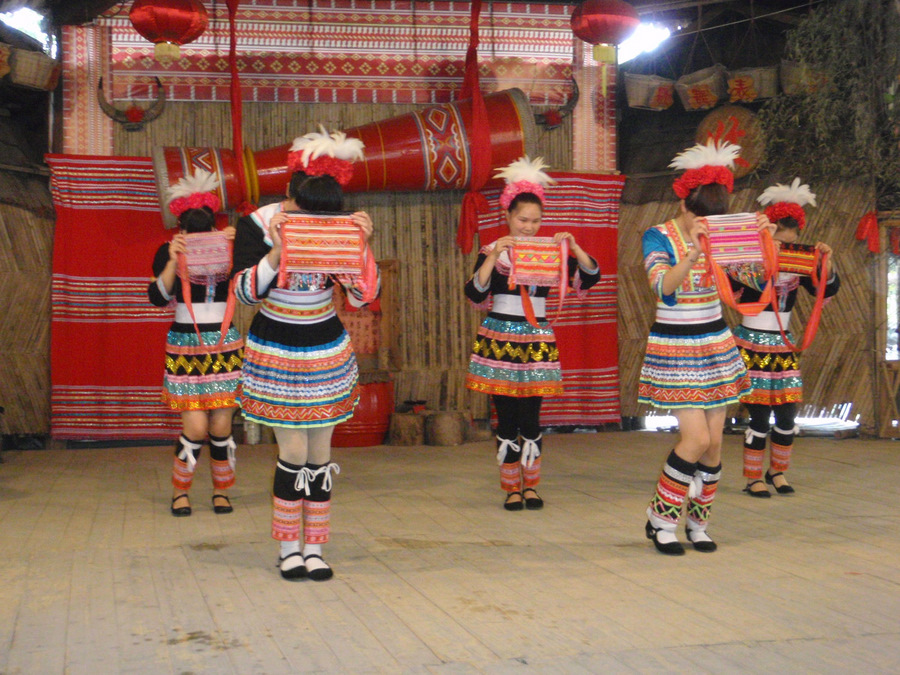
169	24
604	24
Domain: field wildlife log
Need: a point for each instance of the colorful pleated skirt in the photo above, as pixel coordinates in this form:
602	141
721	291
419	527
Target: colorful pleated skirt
774	369
692	366
202	376
299	376
513	358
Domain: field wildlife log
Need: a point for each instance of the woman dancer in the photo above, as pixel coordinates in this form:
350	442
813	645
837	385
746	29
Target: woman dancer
300	374
774	368
202	378
692	365
517	363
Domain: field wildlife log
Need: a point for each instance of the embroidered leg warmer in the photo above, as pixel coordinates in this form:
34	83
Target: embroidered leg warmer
664	511
317	506
287	501
754	450
702	494
531	461
781	446
509	456
186	454
222	460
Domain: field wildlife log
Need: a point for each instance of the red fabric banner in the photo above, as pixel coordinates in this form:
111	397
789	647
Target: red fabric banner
107	345
587	205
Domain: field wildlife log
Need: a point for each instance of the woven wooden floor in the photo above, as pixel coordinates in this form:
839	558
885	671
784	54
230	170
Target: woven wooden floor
432	576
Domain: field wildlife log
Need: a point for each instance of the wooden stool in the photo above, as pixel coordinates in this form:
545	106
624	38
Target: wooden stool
407	429
445	428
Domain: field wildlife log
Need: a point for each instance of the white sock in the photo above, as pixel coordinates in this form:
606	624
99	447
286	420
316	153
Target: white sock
288	547
698	535
312	549
665	531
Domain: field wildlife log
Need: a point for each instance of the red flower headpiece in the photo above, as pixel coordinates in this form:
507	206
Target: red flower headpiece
776	212
194	192
705	175
787	201
705	164
324	154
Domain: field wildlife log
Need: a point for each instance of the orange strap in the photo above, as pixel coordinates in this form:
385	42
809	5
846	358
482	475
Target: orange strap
186	293
812	326
723	285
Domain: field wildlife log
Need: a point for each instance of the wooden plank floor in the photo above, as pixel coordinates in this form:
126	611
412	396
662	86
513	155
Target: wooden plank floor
433	576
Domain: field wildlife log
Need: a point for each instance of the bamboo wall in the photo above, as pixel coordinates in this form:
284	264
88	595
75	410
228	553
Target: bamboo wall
839	366
26	248
435	324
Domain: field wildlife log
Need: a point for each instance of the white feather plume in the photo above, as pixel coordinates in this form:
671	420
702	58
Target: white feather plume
201	181
714	153
531	170
336	144
795	193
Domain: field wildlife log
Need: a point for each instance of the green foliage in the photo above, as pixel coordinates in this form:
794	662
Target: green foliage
848	127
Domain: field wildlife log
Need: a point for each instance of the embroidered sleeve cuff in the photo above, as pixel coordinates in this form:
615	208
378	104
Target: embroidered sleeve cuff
162	289
595	270
479	287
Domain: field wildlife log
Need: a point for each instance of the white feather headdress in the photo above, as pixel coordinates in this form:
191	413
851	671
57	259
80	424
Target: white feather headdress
524	175
201	181
714	153
795	193
336	144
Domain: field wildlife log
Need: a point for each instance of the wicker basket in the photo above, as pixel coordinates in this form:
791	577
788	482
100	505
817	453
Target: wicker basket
799	78
34	70
649	92
751	84
702	89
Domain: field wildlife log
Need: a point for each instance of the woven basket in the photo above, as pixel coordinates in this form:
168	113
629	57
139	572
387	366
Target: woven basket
751	84
34	70
702	89
799	78
649	92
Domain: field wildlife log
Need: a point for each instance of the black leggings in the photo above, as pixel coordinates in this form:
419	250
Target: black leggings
518	416
759	416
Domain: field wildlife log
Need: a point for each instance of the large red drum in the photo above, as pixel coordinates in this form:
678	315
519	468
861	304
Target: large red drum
423	150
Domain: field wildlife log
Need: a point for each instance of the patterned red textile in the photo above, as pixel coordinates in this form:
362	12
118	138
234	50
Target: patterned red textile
352	51
587	205
107	345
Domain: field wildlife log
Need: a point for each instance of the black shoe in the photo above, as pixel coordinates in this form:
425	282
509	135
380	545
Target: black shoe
513	506
761	494
535	502
670	548
222	508
181	510
318	573
785	489
702	546
292	573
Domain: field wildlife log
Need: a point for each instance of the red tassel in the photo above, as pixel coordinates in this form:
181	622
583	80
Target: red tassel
868	230
479	140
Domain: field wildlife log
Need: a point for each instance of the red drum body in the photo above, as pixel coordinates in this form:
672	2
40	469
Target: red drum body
424	150
371	419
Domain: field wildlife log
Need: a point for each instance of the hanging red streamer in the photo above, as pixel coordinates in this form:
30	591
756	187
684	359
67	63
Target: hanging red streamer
479	141
812	326
237	110
868	230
